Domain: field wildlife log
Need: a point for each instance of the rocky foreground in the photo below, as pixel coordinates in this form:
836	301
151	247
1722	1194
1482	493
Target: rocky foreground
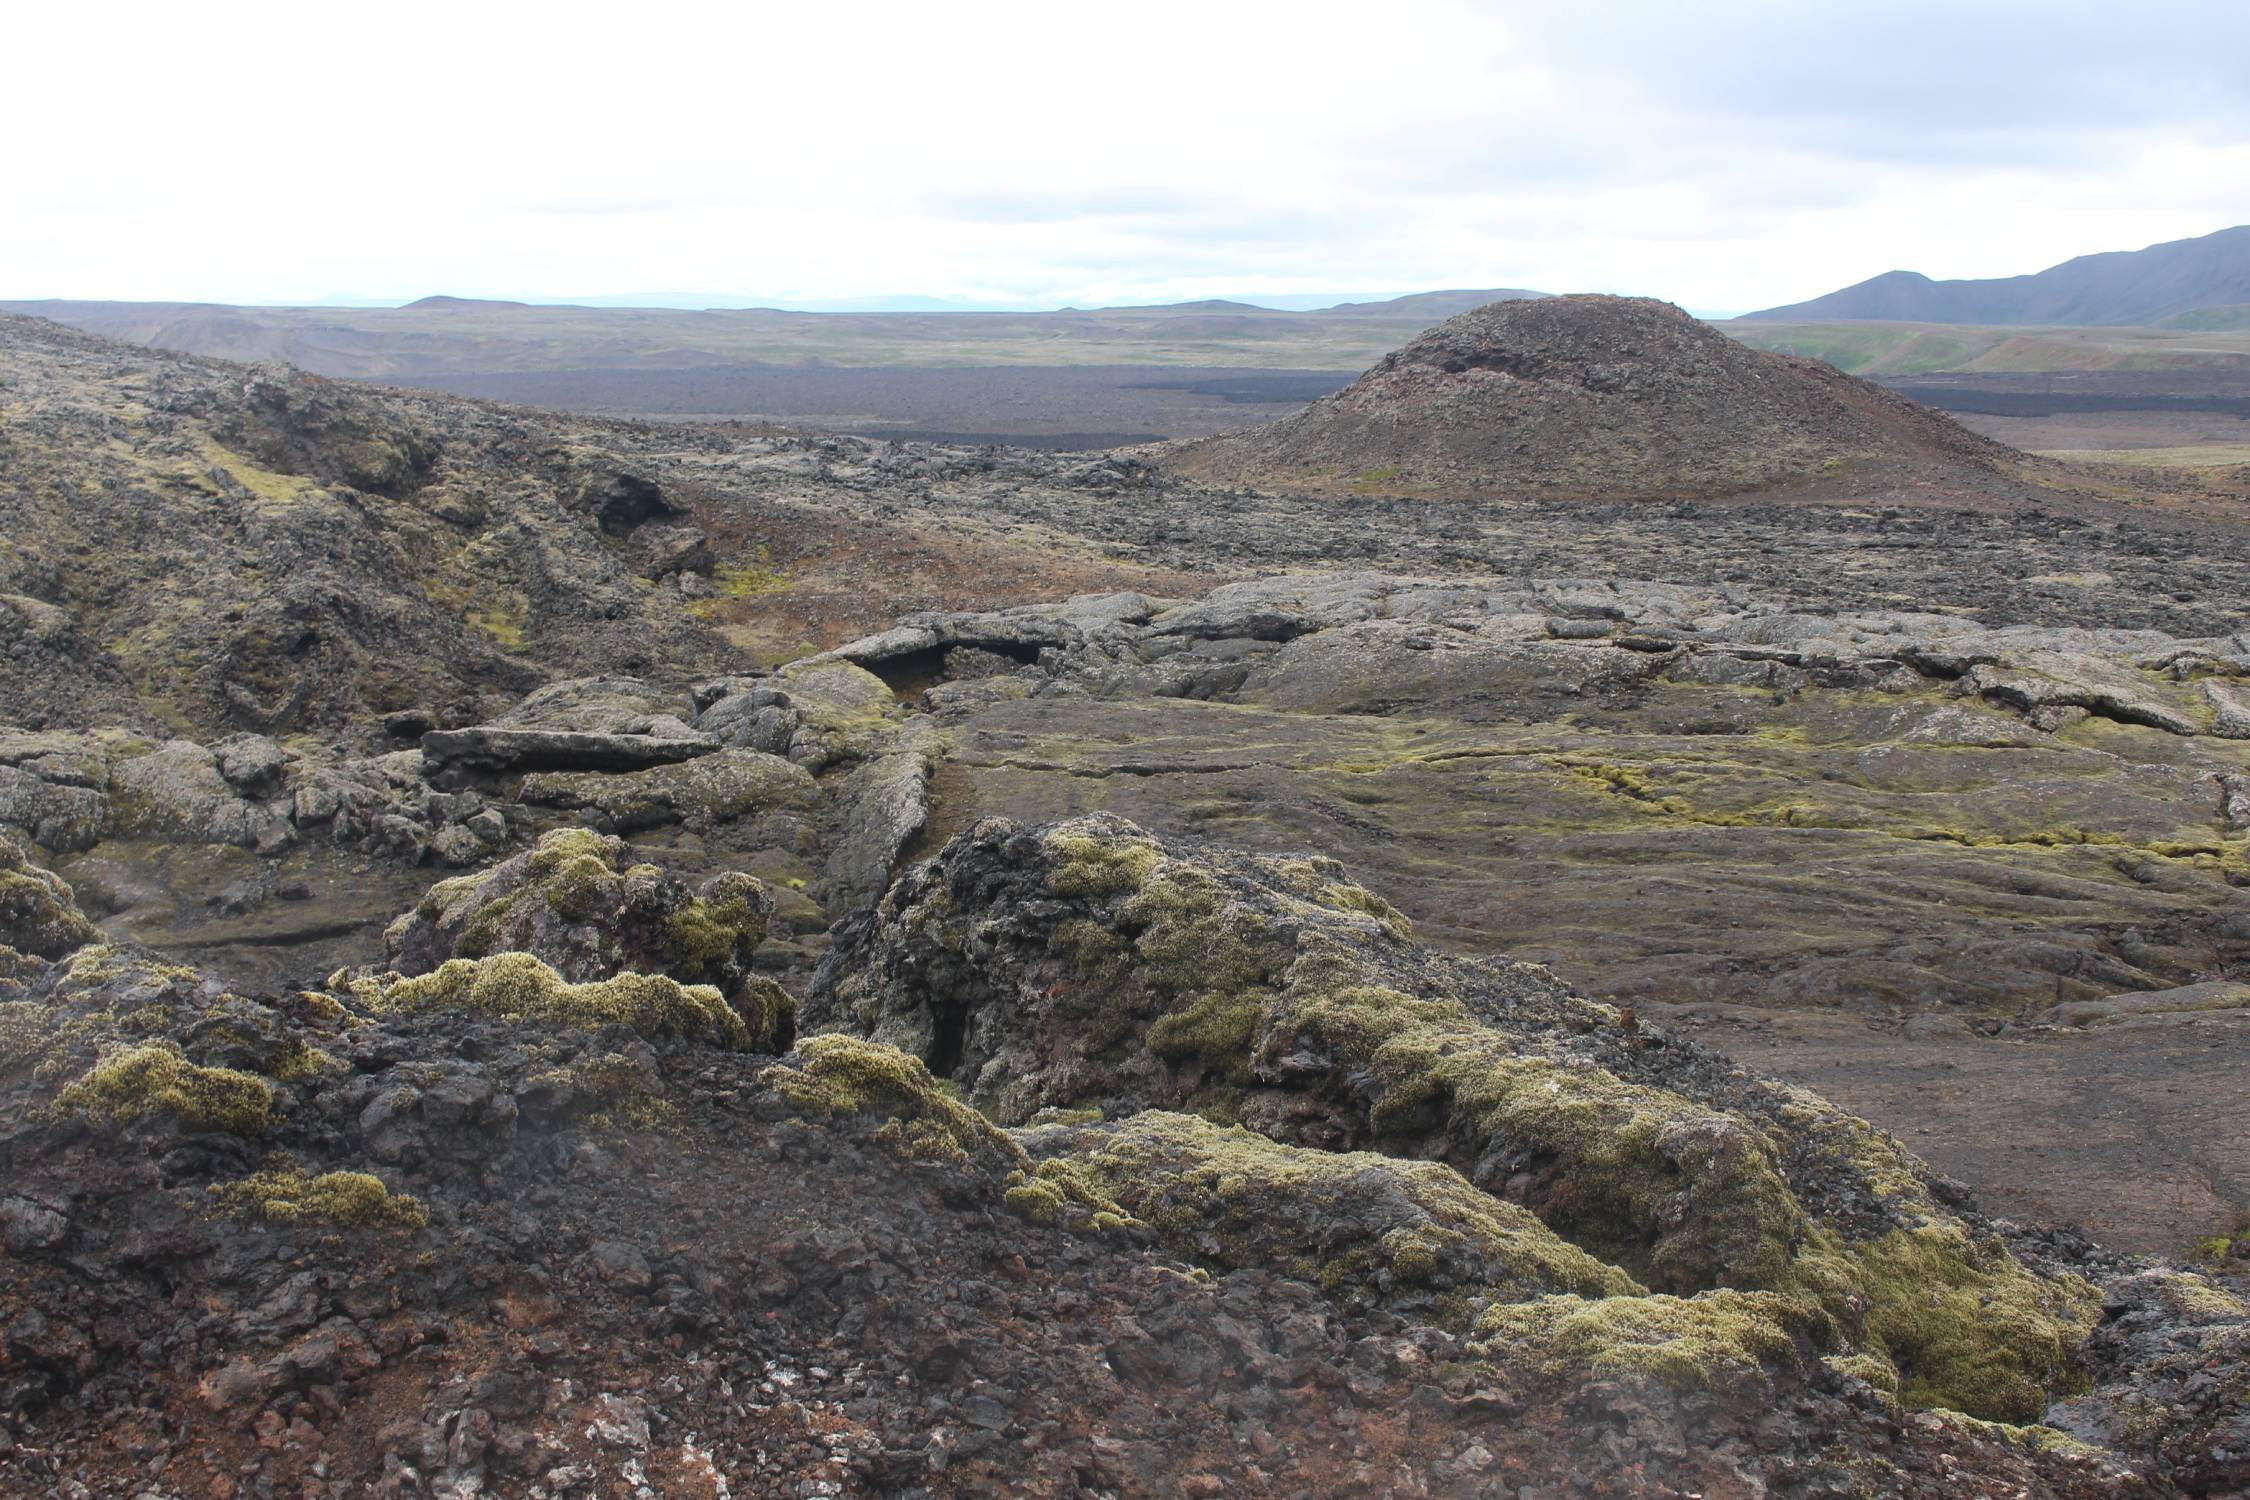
1126	1169
474	1020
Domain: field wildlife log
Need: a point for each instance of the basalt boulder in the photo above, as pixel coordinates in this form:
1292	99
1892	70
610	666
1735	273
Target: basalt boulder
585	904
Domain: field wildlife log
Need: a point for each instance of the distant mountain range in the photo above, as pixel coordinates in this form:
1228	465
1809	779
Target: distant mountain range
444	340
2197	284
1440	304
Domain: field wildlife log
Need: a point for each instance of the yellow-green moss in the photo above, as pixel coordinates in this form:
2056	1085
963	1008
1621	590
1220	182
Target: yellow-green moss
838	698
2034	1437
613	1091
155	1078
321	1007
1088	946
37	907
708	931
1966	1325
2216	1247
1054	1115
1651	1179
1885	1166
1321	881
519	987
271	487
768	1012
1235	1197
1063	1193
2199	1299
577	874
484	933
505	620
1959	1323
102	962
1687	1343
754	574
1192	938
1872	1368
285	1193
1220	1028
301	1060
1643	798
48	1038
18	965
1093	865
564	845
843	1075
574	878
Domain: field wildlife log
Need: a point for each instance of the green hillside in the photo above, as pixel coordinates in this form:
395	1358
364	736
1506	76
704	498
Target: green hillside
1934	348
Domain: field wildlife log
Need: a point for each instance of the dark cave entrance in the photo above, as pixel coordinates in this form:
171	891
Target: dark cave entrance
913	673
949	1032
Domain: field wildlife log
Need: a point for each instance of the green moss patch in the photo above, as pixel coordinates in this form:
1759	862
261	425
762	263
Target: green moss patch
156	1079
38	913
1687	1195
520	988
843	1075
1063	1193
2219	1246
727	919
1361	1225
1091	864
270	487
1687	1343
1965	1324
284	1193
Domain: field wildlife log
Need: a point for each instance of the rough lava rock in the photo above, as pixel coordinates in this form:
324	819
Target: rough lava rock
486	748
588	907
448	1242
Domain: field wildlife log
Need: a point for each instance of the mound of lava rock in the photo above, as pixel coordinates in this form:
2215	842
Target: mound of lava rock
1585	396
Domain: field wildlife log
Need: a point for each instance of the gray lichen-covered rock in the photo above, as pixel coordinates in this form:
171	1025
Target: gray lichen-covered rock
719	788
487	748
591	705
843	711
179	791
886	805
2172	1384
53	789
752	716
252	763
2230	709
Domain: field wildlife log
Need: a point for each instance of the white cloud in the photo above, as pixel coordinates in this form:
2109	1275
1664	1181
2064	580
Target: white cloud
1730	154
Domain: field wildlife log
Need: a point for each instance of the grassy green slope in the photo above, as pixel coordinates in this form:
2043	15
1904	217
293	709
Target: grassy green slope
469	337
1931	348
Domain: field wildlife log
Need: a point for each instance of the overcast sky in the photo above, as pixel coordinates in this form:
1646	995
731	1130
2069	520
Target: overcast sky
1727	154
